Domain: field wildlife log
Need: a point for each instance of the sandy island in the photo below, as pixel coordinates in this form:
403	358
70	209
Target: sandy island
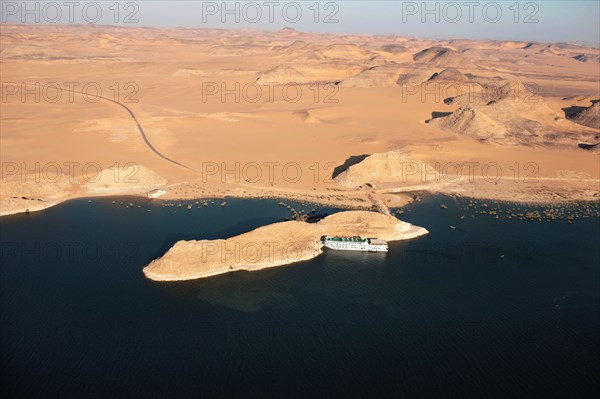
273	245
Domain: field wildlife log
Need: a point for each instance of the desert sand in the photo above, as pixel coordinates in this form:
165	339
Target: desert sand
273	245
357	122
287	114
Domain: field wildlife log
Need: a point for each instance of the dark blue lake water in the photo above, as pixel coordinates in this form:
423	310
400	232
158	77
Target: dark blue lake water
495	308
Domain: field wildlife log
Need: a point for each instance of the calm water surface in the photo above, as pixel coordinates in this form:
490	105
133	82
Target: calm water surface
495	308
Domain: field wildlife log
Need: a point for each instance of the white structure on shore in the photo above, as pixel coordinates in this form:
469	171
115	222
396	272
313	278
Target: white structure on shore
355	243
159	192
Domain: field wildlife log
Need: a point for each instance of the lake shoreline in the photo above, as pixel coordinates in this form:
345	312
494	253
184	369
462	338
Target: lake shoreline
343	199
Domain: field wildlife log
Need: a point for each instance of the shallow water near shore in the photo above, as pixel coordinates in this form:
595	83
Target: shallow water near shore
490	308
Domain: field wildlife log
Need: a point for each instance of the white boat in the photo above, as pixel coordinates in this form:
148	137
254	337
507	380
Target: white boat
355	243
159	192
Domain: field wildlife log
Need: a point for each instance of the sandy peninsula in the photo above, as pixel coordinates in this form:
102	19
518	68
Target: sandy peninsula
273	245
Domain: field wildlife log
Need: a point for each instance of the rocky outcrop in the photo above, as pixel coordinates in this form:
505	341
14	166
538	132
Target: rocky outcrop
587	57
589	116
448	75
498	111
438	55
321	72
378	76
387	168
469	121
280	75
